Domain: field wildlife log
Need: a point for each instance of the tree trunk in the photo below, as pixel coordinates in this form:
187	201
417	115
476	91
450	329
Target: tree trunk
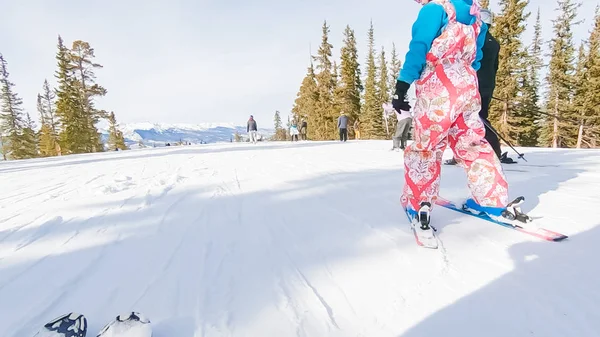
555	132
580	135
2	147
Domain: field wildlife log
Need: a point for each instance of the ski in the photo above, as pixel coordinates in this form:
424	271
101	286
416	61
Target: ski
131	324
68	325
538	232
421	240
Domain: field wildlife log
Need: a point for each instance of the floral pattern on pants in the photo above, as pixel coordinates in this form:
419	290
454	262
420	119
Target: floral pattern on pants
447	113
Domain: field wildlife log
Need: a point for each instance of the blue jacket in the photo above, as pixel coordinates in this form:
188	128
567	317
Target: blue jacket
429	25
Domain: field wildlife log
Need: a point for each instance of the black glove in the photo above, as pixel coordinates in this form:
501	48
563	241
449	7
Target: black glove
399	101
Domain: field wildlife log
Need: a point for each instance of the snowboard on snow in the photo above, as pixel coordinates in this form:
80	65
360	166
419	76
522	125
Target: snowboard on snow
132	324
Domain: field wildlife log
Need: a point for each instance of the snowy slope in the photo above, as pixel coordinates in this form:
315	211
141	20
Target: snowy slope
157	134
282	239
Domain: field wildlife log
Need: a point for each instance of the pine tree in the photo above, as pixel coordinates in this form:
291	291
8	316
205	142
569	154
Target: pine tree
46	144
528	115
324	119
305	105
372	123
71	137
115	136
561	79
48	137
580	92
81	56
337	90
590	89
536	62
30	141
350	83
512	68
383	89
395	66
280	133
3	146
12	119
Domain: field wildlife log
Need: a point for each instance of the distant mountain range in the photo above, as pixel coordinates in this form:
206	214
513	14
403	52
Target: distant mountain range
159	134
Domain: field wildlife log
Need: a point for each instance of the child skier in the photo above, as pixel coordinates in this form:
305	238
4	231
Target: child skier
443	59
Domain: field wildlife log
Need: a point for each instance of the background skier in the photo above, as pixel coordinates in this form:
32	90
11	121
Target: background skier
443	58
357	129
252	129
294	131
303	129
343	126
403	124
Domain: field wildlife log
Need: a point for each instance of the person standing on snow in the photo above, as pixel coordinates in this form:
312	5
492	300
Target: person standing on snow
252	129
443	58
343	126
404	120
486	76
357	129
294	131
303	129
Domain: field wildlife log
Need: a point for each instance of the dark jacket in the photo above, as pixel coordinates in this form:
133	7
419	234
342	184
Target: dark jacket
489	65
343	122
251	125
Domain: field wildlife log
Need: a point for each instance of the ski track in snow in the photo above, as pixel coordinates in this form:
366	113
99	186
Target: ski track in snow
291	239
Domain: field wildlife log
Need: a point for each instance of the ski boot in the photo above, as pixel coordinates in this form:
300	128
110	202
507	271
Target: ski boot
505	159
451	161
420	224
128	324
510	214
513	212
424	216
69	325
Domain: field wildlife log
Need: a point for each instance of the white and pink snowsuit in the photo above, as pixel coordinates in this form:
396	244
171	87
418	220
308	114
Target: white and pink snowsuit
447	111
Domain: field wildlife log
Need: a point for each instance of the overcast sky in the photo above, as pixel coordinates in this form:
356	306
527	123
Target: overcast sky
192	61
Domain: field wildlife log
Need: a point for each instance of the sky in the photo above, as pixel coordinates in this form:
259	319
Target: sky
194	61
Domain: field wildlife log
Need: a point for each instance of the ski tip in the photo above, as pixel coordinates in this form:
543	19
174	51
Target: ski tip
560	238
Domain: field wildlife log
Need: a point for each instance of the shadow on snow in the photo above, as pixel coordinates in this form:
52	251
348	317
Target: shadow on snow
225	248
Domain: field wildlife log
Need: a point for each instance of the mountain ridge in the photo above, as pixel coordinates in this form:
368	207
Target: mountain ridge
159	134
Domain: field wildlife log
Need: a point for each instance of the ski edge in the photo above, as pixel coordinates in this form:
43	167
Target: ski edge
542	233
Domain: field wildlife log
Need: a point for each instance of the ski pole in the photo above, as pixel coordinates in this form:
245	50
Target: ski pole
520	155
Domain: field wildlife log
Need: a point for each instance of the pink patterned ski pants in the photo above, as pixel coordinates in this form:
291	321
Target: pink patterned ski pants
450	114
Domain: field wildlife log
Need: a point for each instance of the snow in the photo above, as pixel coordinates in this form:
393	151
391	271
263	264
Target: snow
291	239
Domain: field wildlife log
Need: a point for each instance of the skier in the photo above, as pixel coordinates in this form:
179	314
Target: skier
303	129
443	58
294	131
357	129
486	76
252	129
343	126
404	121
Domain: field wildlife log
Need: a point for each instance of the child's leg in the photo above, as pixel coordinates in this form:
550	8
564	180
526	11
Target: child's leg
486	179
423	158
